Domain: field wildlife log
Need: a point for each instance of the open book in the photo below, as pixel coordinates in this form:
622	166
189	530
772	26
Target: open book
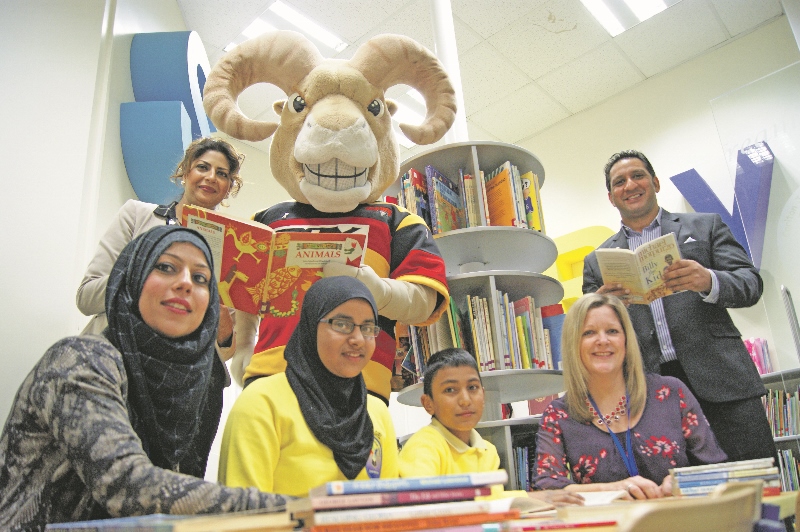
259	269
640	271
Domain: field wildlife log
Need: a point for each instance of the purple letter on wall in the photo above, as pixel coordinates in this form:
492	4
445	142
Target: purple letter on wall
748	221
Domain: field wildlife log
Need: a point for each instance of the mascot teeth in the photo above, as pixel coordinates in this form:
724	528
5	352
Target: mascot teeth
335	175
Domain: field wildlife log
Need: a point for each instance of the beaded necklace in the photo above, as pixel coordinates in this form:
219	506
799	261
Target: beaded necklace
606	420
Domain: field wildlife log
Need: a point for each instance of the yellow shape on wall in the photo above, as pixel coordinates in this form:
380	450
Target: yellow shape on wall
568	267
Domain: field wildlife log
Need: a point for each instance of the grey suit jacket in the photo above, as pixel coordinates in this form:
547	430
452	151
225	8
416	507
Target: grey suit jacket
708	345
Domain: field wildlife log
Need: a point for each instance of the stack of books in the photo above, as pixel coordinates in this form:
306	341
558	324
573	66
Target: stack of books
396	505
702	479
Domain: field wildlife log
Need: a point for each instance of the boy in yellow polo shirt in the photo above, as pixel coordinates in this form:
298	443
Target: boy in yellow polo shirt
453	395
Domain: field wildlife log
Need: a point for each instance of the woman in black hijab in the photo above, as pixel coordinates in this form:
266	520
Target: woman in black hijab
114	426
314	423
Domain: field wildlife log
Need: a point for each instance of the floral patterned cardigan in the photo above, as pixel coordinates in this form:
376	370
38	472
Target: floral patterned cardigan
672	432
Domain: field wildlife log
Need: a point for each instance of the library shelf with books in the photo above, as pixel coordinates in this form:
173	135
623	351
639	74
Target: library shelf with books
490	262
785	422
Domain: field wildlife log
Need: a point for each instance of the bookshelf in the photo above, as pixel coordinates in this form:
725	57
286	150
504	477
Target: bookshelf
481	260
786	381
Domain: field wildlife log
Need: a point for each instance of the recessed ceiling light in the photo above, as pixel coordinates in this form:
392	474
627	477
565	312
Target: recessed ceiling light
308	26
256	28
617	16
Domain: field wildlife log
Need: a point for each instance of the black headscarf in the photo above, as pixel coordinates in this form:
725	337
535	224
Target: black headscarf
335	408
168	377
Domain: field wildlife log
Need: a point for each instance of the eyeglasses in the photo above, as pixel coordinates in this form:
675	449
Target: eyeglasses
369	330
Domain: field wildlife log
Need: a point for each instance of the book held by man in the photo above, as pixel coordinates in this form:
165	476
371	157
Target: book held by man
260	270
642	270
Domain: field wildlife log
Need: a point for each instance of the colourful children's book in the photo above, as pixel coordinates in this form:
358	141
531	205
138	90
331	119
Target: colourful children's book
500	197
307	505
530	194
380	485
260	270
445	202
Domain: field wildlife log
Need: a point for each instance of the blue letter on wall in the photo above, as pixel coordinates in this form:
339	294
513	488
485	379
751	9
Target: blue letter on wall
168	72
748	221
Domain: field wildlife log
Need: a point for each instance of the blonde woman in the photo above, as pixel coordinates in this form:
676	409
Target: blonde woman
616	428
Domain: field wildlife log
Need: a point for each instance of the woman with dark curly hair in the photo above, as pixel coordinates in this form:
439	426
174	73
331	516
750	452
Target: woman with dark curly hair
209	173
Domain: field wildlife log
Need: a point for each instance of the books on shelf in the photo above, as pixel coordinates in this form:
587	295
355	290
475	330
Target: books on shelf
229	522
790	472
783	412
257	267
553	322
444	199
501	197
703	479
532	200
759	354
641	270
414	194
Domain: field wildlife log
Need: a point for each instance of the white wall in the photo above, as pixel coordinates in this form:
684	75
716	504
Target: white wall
669	118
49	54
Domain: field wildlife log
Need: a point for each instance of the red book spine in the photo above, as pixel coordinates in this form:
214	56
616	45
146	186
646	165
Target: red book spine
419	523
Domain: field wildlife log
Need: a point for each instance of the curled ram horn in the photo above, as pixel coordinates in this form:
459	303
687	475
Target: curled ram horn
282	58
387	60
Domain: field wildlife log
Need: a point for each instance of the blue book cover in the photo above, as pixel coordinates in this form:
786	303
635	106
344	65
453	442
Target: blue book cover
555	324
381	485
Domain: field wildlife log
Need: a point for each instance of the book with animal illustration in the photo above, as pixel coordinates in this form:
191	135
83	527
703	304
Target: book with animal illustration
260	270
641	270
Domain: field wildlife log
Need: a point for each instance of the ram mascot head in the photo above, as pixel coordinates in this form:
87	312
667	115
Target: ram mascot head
334	147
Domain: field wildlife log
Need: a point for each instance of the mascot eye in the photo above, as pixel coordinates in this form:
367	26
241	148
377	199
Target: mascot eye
298	103
375	107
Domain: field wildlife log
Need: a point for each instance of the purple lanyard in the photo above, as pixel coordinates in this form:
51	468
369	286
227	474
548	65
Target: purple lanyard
627	456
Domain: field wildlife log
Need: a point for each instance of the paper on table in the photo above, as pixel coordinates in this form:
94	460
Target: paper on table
597	498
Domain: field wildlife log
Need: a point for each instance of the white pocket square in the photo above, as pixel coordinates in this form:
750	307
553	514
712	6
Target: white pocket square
690	239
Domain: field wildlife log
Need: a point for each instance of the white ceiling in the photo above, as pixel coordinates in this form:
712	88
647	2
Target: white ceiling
525	64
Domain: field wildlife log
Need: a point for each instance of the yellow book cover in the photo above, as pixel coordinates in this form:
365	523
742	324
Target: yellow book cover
530	194
500	198
523	343
641	270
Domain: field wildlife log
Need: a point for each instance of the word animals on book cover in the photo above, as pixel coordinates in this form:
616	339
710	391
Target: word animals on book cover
642	270
262	271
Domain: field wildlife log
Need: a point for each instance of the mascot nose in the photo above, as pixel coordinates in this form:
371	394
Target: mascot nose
356	145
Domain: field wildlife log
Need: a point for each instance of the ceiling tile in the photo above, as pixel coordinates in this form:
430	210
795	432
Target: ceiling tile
591	78
476	132
520	115
487	76
218	22
488	18
414	20
550	36
348	19
742	15
256	101
673	36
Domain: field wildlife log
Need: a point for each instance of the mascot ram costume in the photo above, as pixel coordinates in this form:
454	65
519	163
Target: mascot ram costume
335	153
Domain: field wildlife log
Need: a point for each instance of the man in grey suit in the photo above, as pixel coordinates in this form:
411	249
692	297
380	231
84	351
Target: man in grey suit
690	335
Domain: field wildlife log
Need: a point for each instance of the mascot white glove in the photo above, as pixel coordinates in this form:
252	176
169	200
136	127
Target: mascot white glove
397	300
